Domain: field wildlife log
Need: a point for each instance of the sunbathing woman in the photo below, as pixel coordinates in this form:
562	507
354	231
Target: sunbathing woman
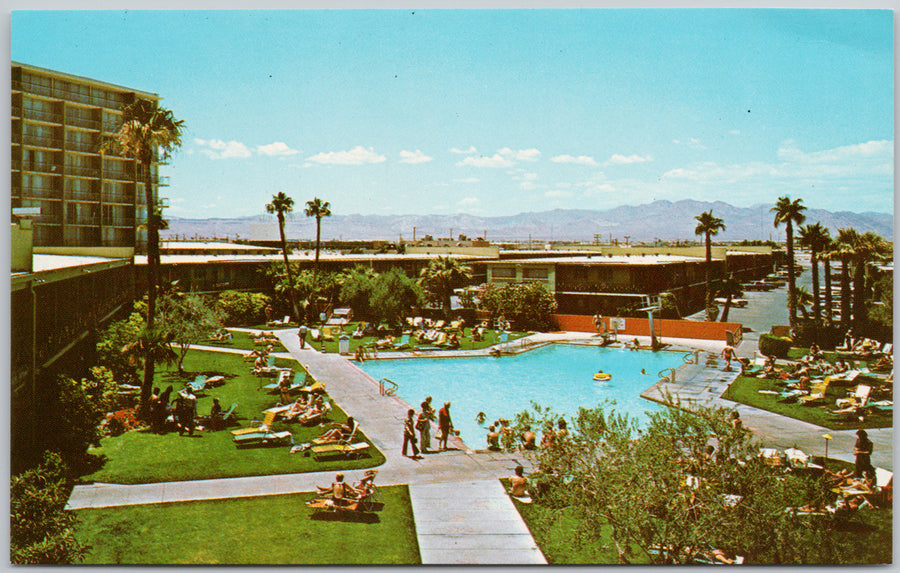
339	432
317	409
297	408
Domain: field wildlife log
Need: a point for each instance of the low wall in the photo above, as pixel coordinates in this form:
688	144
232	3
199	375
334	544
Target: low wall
664	327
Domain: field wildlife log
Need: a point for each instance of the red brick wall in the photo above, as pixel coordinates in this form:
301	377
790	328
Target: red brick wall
664	327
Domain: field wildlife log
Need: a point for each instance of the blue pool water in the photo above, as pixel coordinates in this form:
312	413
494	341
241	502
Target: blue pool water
559	376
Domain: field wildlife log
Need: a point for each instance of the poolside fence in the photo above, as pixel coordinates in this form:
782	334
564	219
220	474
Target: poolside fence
729	332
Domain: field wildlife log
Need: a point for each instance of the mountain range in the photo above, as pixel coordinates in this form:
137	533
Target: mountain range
665	220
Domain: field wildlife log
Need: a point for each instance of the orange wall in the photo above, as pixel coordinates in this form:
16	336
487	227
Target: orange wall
664	327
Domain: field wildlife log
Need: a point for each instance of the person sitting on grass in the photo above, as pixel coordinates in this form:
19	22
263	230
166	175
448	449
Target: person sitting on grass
216	422
339	432
519	484
340	492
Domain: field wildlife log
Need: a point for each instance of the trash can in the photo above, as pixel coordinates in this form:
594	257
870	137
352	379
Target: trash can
344	344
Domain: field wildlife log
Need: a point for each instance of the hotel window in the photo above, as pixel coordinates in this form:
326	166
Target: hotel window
536	273
503	272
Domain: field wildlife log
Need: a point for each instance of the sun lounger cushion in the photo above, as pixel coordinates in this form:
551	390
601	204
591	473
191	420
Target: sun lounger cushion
346	449
258	437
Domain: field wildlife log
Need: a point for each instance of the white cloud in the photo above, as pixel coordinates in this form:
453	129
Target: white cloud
276	148
467	180
468	151
558	193
520	154
495	160
414	157
693	143
356	156
468	202
580	160
218	149
618	159
868	151
592	188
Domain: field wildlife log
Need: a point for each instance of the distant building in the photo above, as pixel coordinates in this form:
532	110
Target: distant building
87	199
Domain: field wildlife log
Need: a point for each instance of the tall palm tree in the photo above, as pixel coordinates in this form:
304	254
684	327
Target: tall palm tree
708	226
318	209
282	204
826	257
790	212
844	249
731	288
148	133
814	237
870	248
804	299
441	276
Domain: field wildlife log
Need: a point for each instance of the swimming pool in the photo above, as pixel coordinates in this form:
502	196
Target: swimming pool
559	376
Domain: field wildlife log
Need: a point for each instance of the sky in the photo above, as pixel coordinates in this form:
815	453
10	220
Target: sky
497	112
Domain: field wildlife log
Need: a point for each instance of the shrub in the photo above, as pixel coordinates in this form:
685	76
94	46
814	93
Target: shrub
40	527
244	307
774	345
117	423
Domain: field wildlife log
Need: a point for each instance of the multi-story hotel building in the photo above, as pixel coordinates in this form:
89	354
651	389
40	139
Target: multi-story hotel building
86	198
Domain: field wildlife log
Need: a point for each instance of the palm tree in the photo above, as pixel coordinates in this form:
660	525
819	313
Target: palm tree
148	133
814	237
826	257
790	212
280	205
441	276
844	249
804	299
731	288
708	226
870	247
318	209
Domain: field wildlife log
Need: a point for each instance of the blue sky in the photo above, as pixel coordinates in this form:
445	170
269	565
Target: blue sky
496	112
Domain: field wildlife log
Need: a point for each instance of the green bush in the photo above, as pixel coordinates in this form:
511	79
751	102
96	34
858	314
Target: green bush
243	307
776	346
40	527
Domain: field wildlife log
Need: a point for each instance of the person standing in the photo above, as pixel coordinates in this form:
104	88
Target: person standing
445	424
409	434
423	424
863	452
302	334
187	406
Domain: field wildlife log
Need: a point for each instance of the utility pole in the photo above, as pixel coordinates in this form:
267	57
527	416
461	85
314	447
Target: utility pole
451	233
414	233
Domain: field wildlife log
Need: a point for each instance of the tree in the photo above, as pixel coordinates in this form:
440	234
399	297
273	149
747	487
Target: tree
731	288
814	237
393	295
654	496
148	131
441	276
804	299
153	344
110	344
243	307
318	209
708	226
356	290
790	213
825	257
71	418
844	249
40	527
869	248
188	319
882	308
280	205
527	306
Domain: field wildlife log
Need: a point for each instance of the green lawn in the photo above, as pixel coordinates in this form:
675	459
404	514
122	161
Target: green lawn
491	337
243	341
270	530
143	457
746	391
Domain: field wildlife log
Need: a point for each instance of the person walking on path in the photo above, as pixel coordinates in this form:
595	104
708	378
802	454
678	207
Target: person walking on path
423	424
445	424
409	434
302	334
863	452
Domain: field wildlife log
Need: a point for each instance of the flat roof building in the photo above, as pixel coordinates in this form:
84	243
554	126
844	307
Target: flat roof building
86	199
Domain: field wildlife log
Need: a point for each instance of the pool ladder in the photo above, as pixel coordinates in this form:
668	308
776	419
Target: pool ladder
387	387
667	375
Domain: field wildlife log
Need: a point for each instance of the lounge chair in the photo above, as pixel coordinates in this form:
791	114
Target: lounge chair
316	418
348	440
295	385
403	344
214	381
197	384
816	393
858	399
264	438
284	322
347	450
257	425
365	501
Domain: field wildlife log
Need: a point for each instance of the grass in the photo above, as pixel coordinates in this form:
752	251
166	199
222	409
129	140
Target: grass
269	530
746	391
491	337
243	341
140	456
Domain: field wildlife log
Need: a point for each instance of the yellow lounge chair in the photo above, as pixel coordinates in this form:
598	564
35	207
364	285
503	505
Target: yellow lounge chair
263	425
340	448
816	393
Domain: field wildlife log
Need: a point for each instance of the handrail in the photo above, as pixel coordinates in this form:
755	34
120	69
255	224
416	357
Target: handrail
383	388
692	357
664	375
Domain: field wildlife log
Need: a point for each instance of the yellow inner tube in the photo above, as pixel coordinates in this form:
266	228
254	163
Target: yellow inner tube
602	376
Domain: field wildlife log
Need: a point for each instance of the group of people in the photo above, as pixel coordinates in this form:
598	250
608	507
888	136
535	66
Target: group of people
306	408
501	436
422	425
183	410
